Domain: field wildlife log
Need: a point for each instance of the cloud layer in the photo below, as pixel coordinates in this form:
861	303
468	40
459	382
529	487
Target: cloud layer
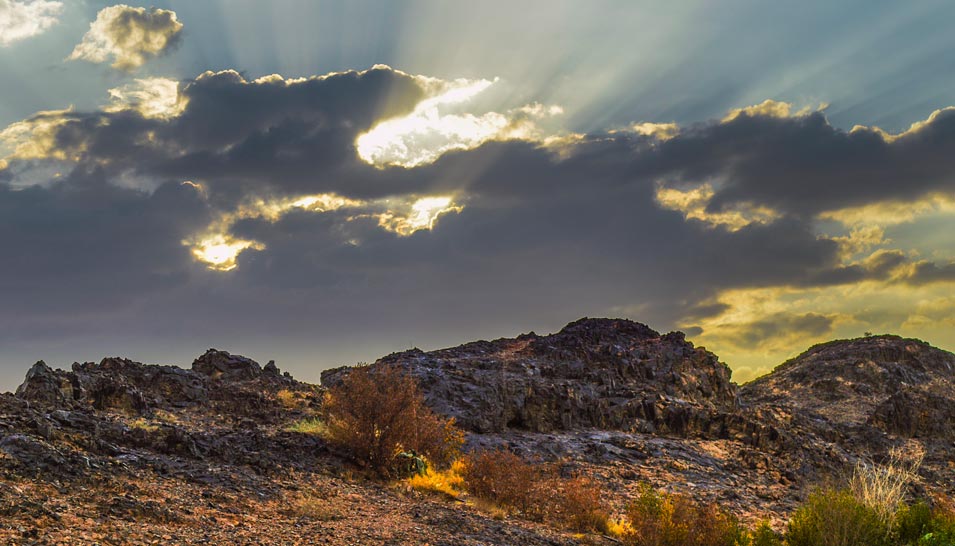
224	204
128	36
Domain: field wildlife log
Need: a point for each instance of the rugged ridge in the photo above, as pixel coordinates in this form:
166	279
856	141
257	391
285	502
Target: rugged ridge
611	398
610	374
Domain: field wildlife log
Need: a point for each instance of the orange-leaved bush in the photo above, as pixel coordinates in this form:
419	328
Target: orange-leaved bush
375	413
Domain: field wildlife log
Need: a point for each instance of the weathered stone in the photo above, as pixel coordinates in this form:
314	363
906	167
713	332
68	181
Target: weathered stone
222	365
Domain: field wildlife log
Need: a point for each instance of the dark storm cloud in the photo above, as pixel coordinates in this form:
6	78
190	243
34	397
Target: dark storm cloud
542	233
803	165
82	248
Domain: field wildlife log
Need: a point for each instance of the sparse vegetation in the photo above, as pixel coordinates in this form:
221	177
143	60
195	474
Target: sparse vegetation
666	519
309	426
288	399
375	413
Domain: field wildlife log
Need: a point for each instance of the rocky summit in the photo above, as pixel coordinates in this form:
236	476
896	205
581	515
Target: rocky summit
118	451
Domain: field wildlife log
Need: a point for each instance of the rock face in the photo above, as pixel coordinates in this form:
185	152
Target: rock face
594	373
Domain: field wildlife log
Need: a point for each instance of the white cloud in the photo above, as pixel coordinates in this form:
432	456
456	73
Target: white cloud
129	36
22	19
151	97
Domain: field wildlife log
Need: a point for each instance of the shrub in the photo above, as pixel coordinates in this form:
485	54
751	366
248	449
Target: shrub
837	518
375	413
912	522
576	504
501	477
764	535
662	519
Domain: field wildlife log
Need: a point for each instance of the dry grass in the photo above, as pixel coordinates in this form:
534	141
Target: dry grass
289	400
449	483
308	426
883	487
143	424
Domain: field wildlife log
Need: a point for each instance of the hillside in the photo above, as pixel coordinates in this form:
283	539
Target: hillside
120	452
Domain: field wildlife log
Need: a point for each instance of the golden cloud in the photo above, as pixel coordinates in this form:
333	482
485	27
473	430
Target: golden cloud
127	35
693	202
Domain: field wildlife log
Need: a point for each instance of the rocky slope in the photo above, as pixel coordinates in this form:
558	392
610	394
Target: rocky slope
632	405
140	452
119	452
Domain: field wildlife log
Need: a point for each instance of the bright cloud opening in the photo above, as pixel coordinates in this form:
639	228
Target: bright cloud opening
431	130
151	97
422	214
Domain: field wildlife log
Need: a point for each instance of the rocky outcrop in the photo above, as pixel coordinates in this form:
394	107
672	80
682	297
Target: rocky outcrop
594	373
222	365
229	381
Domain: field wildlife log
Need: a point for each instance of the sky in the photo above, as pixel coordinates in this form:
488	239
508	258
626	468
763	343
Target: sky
325	182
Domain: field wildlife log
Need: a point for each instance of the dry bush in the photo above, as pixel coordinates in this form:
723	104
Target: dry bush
375	413
502	477
662	519
577	503
882	487
535	491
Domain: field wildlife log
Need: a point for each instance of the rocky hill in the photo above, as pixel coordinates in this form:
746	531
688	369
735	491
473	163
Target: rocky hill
594	373
143	452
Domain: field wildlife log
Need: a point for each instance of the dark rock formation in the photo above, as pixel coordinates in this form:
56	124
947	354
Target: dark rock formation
594	373
221	365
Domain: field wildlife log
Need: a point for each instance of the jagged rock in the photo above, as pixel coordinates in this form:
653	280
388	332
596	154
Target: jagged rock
271	369
221	365
46	387
594	373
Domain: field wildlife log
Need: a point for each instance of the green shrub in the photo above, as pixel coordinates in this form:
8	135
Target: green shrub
912	522
764	535
836	518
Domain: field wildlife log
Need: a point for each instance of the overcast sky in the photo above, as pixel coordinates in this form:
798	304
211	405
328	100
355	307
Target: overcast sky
322	183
